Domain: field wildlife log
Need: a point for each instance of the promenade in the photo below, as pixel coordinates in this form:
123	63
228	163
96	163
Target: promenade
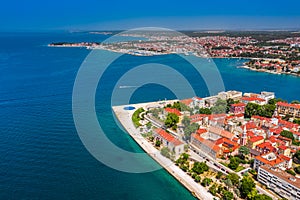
124	117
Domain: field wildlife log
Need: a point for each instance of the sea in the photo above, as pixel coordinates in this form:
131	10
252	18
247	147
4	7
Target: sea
42	156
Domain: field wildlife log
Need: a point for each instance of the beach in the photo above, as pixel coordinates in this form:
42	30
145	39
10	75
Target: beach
124	117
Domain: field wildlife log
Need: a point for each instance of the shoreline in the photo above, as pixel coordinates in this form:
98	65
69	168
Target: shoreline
124	117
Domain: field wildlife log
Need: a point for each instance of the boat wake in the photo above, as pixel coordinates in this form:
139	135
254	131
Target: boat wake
127	86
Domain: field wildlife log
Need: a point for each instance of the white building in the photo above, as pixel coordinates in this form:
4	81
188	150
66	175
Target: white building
284	184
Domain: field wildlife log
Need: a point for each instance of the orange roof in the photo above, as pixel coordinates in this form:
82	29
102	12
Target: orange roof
284	157
284	138
271	162
272	139
264	145
227	143
173	110
207	143
238	105
187	101
201	131
220	132
282	147
168	136
252	99
256	138
297	106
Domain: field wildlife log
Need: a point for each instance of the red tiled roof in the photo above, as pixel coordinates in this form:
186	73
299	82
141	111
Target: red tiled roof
271	162
207	143
252	99
238	105
297	106
201	131
256	138
173	110
282	147
264	145
220	132
284	157
168	136
187	101
284	138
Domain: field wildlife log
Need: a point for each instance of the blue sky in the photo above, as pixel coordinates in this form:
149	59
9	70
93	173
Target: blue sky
194	14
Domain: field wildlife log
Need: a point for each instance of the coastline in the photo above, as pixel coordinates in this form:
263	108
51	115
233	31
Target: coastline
124	117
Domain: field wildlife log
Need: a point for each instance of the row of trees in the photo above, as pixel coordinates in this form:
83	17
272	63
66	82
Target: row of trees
244	188
189	127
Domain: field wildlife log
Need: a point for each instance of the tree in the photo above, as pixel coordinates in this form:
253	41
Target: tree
228	183
227	195
206	111
234	163
157	143
243	150
199	167
252	194
287	134
197	178
206	182
186	121
190	129
235	179
295	102
165	152
247	184
262	197
251	109
229	103
172	120
219	175
213	189
297	169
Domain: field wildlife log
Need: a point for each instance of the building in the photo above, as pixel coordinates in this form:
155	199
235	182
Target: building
267	96
172	110
237	108
206	146
284	184
194	102
169	141
255	100
254	141
232	94
269	159
283	108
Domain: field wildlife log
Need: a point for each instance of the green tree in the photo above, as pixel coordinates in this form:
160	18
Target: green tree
206	182
192	128
219	175
213	189
157	143
252	194
234	163
199	167
246	186
243	150
186	121
295	102
229	103
206	111
165	152
219	107
197	178
252	109
228	183
287	134
297	169
227	195
262	197
171	121
235	179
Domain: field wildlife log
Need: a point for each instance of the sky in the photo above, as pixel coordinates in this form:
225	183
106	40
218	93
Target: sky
126	14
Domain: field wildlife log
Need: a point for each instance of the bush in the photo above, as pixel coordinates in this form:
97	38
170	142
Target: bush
136	117
291	172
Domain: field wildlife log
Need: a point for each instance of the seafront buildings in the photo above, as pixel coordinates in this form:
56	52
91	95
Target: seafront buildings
220	136
284	184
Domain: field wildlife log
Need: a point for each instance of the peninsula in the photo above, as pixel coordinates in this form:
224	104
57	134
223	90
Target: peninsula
222	146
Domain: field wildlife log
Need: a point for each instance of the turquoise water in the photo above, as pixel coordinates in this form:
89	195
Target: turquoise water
42	155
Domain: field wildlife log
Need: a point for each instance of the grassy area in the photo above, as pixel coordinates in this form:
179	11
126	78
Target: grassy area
136	117
239	168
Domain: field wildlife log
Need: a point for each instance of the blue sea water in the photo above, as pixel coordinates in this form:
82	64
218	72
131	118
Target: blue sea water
42	156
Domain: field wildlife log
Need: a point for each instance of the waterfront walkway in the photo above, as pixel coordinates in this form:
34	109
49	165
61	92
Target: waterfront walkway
124	117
